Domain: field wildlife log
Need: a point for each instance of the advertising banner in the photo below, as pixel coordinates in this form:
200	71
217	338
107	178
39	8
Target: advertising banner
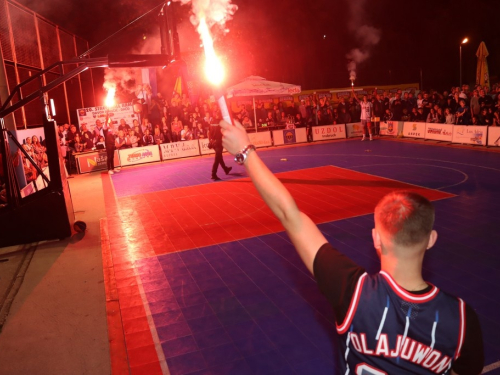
89	115
494	136
32	140
204	150
289	136
414	129
327	132
139	155
177	150
472	135
389	128
261	139
354	130
439	132
94	161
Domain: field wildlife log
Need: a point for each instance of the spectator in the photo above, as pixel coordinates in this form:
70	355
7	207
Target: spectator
120	140
186	134
449	116
147	138
158	137
432	117
176	127
247	123
462	115
131	140
388	115
200	132
475	106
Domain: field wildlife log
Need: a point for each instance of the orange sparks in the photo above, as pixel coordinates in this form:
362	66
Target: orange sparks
213	67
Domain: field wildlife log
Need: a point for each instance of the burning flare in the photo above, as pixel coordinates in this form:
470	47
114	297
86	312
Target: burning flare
213	67
110	98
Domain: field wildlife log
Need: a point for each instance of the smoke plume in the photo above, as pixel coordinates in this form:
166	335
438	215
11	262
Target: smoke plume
122	79
367	37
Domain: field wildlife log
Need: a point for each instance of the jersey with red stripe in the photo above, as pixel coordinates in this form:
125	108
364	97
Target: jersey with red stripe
388	330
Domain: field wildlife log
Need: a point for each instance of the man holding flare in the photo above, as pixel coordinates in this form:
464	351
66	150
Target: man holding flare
392	322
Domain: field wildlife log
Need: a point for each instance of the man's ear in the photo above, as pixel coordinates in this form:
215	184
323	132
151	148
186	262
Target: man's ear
432	239
377	243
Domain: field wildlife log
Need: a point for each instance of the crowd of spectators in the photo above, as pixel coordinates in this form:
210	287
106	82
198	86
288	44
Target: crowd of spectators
179	119
459	106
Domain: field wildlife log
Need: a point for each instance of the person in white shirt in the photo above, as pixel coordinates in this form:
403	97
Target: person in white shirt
366	115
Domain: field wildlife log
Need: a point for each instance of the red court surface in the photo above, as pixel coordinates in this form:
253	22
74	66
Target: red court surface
197	216
152	224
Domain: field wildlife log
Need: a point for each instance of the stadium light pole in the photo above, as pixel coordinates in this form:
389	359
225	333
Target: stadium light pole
463	42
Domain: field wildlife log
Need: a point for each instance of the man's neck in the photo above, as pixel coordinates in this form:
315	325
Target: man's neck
408	274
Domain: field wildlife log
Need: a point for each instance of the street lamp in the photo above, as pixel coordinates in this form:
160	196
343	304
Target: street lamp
463	42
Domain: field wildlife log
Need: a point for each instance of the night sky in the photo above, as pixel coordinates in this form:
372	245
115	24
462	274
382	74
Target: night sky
306	42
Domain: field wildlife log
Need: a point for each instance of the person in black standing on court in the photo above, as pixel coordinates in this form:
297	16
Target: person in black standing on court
110	143
215	137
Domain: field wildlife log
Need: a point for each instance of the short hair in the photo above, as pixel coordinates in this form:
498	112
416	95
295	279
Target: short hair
407	216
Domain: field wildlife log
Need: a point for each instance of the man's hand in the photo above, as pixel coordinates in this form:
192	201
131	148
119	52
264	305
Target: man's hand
235	137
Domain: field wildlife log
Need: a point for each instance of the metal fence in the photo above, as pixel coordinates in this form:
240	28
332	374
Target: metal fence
30	43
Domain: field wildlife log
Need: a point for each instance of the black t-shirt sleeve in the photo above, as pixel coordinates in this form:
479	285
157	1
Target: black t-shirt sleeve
471	360
336	276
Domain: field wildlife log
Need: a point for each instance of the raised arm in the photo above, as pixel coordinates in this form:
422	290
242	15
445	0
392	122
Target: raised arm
304	234
353	94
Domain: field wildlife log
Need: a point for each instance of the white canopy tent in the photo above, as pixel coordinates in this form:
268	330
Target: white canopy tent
255	86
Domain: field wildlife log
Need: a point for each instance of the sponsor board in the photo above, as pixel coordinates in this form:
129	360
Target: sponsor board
94	161
90	115
260	139
414	129
494	136
281	137
389	128
473	135
439	132
22	137
354	129
204	150
139	155
180	149
326	132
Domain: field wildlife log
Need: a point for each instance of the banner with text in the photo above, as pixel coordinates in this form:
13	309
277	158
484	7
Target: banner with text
354	130
472	135
439	132
182	149
494	136
414	129
204	150
260	139
90	115
139	155
326	132
94	161
389	128
289	136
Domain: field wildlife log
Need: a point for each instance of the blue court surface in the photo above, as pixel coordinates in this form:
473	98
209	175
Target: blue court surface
251	307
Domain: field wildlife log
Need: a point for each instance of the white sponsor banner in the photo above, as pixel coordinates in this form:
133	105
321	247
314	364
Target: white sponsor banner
439	132
414	129
204	150
260	139
289	136
90	115
473	135
139	155
326	132
494	136
181	149
389	128
354	130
